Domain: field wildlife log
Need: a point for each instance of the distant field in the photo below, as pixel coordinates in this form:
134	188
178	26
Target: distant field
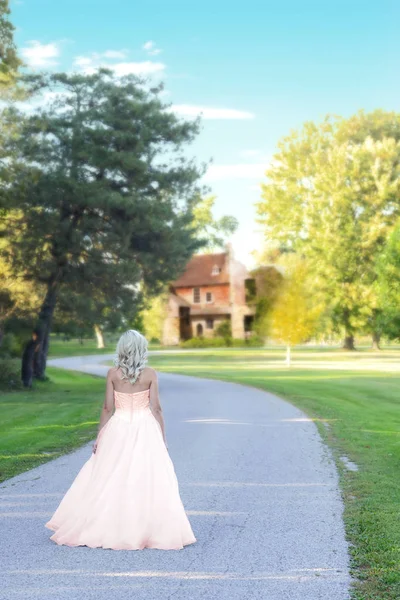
59	347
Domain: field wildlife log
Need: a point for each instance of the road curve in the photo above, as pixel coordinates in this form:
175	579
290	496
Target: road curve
260	489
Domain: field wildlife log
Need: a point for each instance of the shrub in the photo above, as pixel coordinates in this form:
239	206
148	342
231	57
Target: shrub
224	329
11	346
202	342
220	342
10	374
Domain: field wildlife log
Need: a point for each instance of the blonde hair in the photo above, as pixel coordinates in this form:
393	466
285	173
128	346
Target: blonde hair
131	355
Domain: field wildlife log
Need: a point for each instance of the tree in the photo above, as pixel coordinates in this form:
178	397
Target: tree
294	315
332	195
154	314
268	283
18	298
388	285
213	231
105	195
9	60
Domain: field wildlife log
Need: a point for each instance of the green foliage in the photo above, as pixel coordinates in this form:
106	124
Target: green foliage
154	314
388	285
203	342
268	284
332	195
214	232
221	342
11	345
295	313
224	330
9	61
96	213
10	374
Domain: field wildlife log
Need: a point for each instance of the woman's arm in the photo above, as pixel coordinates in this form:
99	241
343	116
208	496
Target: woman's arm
108	405
155	403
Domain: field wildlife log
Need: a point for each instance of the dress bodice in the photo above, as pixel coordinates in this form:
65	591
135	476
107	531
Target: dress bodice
128	403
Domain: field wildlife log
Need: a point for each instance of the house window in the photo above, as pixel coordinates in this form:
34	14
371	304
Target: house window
209	297
216	270
196	294
210	323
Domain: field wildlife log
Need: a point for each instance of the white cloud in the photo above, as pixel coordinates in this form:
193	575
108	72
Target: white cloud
237	171
114	54
191	110
83	62
90	64
151	48
37	54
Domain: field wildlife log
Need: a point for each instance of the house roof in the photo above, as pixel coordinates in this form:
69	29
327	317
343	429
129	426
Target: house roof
199	270
179	301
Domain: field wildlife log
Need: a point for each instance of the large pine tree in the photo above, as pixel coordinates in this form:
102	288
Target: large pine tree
101	194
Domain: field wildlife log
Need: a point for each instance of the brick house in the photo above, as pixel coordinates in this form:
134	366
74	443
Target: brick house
211	290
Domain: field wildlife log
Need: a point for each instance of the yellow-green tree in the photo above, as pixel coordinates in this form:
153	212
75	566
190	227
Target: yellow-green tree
18	297
332	195
9	60
154	315
294	316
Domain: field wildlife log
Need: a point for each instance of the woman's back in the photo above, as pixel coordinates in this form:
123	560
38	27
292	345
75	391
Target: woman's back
143	382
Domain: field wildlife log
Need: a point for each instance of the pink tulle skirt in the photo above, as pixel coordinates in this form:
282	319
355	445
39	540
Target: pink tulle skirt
126	495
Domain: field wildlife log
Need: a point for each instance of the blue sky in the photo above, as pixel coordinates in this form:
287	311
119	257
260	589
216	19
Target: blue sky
256	69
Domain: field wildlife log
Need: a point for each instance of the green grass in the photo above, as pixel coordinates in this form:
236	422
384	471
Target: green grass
61	348
362	407
52	419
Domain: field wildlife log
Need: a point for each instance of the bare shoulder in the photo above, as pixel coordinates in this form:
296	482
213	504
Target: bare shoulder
111	373
150	373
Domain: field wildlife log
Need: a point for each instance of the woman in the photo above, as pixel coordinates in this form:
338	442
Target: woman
126	495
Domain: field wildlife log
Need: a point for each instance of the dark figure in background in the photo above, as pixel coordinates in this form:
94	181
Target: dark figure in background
28	359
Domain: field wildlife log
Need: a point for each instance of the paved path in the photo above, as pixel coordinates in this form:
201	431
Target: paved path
259	487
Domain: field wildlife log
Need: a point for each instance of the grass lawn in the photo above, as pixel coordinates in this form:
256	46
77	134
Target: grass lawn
50	420
74	347
358	396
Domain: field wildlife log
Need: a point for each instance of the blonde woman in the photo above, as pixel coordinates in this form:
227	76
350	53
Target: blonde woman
126	495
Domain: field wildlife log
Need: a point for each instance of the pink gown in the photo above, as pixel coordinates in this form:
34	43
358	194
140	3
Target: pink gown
126	495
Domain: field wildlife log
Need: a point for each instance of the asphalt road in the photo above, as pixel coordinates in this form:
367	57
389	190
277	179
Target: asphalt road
260	489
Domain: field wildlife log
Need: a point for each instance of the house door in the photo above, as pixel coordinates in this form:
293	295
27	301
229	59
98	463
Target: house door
185	329
199	329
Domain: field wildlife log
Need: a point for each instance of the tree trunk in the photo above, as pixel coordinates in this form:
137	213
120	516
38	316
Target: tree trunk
40	360
288	356
376	339
348	343
99	336
42	329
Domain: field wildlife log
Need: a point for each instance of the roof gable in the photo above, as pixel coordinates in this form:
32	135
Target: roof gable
200	269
